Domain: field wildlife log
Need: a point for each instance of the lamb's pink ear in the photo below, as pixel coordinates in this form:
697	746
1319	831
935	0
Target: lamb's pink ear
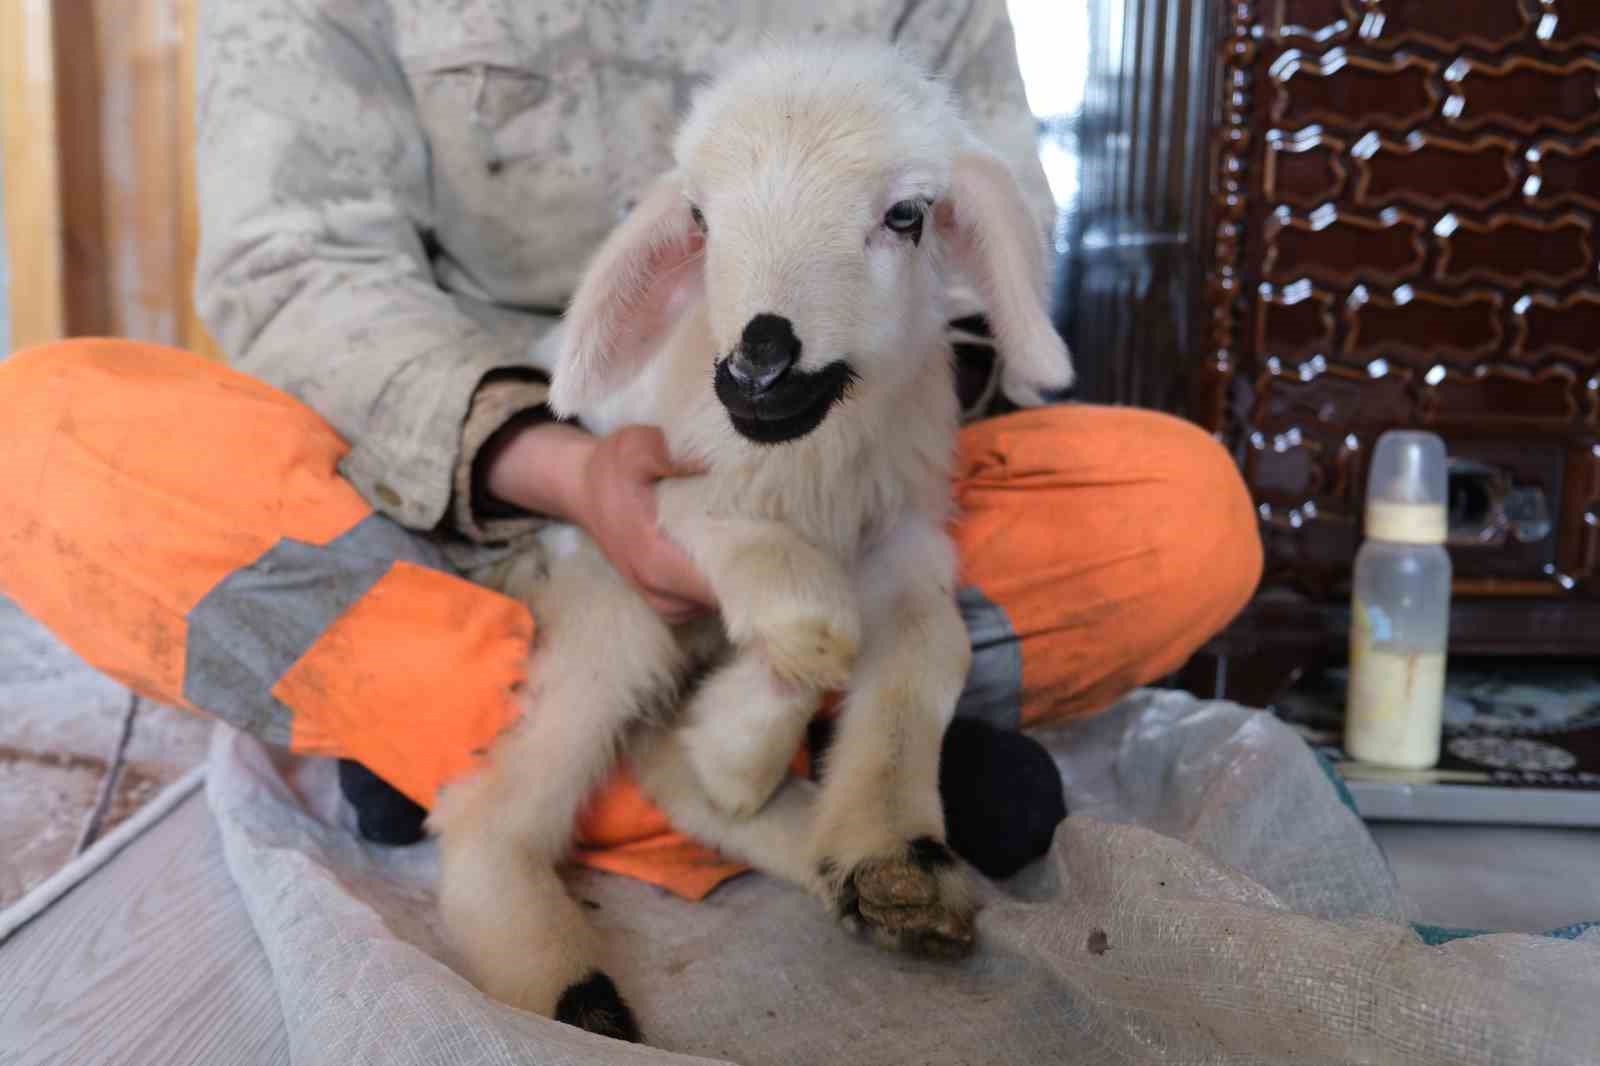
989	231
631	293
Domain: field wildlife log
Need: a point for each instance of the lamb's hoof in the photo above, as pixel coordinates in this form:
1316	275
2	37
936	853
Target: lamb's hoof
595	1004
918	901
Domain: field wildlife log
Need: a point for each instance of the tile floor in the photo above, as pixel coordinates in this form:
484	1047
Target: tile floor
78	753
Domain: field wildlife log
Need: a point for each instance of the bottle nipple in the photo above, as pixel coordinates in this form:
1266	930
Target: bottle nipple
1407	489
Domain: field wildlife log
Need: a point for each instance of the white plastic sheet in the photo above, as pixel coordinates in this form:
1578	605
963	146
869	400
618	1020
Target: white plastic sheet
1209	900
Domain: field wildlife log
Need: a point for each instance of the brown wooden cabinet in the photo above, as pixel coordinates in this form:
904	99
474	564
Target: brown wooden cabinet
1394	226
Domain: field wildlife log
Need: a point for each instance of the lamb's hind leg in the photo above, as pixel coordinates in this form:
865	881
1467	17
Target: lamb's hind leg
775	839
792	613
521	937
741	729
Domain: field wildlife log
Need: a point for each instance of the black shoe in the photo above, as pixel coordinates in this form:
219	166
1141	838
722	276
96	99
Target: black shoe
384	815
1002	796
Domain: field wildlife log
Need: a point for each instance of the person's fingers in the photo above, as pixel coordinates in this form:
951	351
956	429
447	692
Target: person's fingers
644	453
673	571
664	565
661	570
666	603
650	457
687	468
677	611
698	588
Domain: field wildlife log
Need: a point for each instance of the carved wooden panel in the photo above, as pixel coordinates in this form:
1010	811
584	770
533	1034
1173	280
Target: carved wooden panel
1569	24
1552	325
1523	94
1514	250
1405	197
1394	92
1433	171
1319	21
1305	168
1295	322
1483	24
1562	173
1423	327
1337	246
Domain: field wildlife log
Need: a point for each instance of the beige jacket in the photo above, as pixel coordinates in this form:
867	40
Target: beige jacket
397	196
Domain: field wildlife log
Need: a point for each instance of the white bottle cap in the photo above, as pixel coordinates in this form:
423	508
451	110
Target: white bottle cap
1407	488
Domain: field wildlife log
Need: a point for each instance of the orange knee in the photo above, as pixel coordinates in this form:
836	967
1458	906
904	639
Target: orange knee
137	481
1210	549
1115	541
134	477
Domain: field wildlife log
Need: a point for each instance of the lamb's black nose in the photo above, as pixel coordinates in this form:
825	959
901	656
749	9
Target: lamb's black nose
766	349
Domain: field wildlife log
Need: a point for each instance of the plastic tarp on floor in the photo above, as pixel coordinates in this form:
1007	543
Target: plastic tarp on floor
1211	899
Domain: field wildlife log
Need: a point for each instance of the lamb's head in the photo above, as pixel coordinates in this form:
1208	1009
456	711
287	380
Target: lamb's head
819	195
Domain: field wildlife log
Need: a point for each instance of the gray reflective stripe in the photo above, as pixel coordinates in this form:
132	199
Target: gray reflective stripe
994	686
260	620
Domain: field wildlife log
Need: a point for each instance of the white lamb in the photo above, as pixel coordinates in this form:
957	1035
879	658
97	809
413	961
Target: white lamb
775	305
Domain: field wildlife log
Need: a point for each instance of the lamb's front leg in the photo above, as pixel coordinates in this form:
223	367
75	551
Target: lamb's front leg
741	729
521	937
880	841
793	614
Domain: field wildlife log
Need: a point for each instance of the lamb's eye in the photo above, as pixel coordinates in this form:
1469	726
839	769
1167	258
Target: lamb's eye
904	216
699	218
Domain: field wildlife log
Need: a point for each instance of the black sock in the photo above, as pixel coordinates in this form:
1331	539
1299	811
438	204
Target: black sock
1002	796
384	814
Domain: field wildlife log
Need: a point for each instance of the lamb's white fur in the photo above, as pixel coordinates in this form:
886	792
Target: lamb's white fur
828	554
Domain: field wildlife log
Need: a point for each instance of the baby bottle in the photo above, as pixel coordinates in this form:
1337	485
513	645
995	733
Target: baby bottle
1400	609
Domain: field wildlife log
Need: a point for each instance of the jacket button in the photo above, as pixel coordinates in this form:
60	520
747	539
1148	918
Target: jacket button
387	495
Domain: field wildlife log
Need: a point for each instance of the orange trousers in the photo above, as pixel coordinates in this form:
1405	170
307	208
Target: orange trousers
184	529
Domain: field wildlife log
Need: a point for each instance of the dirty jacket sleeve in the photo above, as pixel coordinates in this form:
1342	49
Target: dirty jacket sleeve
314	270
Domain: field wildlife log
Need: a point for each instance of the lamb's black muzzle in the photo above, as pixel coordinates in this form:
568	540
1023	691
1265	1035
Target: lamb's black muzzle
769	398
790	408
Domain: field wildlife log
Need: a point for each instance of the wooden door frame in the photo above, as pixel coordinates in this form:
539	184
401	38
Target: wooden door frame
30	158
195	335
55	191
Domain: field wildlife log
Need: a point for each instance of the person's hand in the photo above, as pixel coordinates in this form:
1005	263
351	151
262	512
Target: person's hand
607	486
618	509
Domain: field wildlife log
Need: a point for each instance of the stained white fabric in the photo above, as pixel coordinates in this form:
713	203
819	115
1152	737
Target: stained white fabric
1209	900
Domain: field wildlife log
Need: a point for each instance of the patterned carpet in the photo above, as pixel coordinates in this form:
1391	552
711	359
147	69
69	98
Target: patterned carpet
1508	699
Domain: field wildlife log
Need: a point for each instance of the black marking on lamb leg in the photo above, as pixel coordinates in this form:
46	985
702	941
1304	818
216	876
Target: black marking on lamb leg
659	704
700	669
929	854
819	739
847	900
595	1004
